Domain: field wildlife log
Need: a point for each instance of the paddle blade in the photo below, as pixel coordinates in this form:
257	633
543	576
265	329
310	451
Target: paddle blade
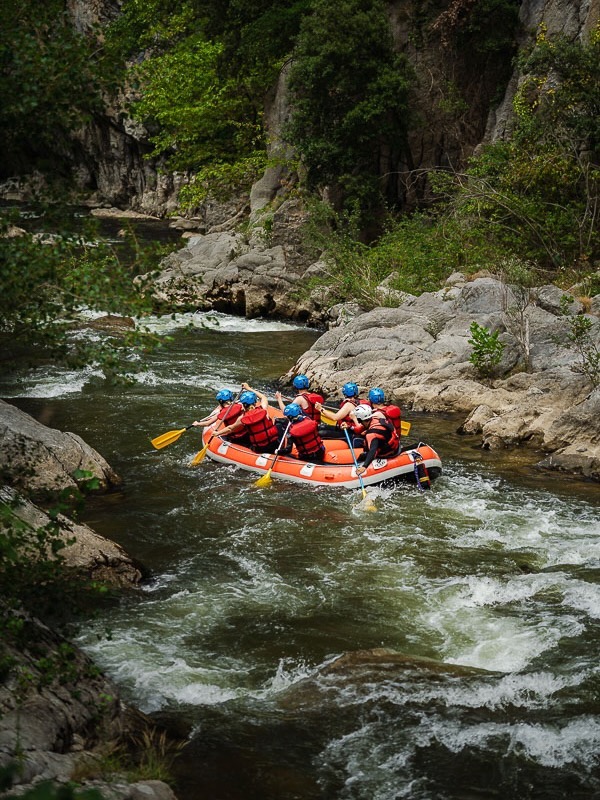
264	480
166	439
199	457
405	428
366	504
327	421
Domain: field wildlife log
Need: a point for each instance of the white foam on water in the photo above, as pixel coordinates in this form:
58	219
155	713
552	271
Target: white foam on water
155	665
52	382
492	591
463	614
287	674
206	381
584	597
212	320
376	759
577	742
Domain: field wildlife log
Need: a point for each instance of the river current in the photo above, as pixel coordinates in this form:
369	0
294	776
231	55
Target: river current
252	592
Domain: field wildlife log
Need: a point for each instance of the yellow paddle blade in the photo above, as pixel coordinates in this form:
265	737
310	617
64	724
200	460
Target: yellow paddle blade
166	438
326	420
199	457
264	480
366	504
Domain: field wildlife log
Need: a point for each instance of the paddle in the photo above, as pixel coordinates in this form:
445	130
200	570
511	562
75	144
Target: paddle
199	457
368	504
165	439
265	479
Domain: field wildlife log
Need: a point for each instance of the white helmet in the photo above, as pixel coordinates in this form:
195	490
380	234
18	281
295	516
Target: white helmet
363	412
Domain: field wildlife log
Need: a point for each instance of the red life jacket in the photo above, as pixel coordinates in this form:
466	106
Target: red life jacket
312	398
259	427
393	415
231	413
356	401
383	430
305	436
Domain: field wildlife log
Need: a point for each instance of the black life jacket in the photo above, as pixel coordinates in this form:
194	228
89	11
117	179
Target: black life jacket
260	429
305	436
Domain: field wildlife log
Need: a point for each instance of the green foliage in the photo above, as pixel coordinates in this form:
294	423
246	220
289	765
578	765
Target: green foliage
349	94
539	192
201	119
487	350
416	254
202	83
50	791
581	338
51	79
48	281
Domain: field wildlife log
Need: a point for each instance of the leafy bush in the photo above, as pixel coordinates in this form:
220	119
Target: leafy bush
581	339
487	350
539	192
47	282
51	81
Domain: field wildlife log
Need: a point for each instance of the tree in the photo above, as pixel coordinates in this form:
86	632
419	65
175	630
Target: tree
349	93
51	78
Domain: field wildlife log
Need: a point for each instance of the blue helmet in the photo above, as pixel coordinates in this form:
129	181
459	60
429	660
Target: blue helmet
292	410
377	395
301	382
350	389
224	396
248	398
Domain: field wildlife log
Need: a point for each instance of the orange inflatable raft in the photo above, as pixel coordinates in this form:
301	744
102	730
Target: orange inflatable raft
413	463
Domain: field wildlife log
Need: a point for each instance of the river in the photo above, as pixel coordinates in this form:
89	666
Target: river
252	592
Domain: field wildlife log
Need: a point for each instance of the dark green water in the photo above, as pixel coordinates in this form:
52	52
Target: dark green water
251	592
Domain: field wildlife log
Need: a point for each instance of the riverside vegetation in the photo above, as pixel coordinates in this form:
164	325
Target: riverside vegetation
198	75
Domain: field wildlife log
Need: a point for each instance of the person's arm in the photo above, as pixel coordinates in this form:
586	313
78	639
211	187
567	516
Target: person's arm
371	453
279	399
264	400
206	421
335	416
235	426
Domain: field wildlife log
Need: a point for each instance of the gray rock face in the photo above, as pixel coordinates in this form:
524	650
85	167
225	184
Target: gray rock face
55	723
99	558
41	459
419	354
574	19
252	277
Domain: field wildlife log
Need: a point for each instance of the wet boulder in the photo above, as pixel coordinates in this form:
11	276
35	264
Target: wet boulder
40	460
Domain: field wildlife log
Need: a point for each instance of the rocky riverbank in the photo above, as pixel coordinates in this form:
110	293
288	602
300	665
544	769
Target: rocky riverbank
59	717
543	393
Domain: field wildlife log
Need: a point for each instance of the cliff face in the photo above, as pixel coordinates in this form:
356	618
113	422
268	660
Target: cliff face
465	77
572	18
464	86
